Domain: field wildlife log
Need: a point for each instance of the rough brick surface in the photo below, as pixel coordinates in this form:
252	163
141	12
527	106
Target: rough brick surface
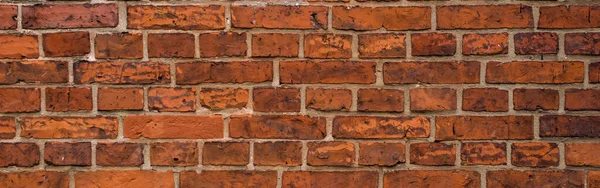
483	153
425	178
70	16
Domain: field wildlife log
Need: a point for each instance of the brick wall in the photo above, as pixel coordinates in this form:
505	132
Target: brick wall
327	93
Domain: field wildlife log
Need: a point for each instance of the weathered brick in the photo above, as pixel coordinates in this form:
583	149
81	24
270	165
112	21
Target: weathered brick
435	154
98	127
66	44
223	44
226	153
349	179
168	45
13	100
48	16
594	72
521	72
174	153
451	72
327	72
7	127
569	17
279	153
433	44
41	179
327	46
126	178
380	100
188	17
483	153
485	44
485	99
381	45
223	98
119	154
68	153
335	153
535	154
569	126
275	45
121	73
224	72
529	178
536	43
119	46
19	154
62	99
432	99
582	43
582	99
120	98
172	99
35	71
173	126
484	127
593	179
373	18
582	154
427	178
325	99
380	127
235	178
18	46
276	99
8	17
381	153
287	17
534	99
484	17
277	126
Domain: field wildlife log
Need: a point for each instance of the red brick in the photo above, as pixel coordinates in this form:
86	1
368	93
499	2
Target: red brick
520	72
70	16
8	17
484	127
14	100
569	17
433	44
326	99
188	17
166	45
373	18
381	153
594	72
41	179
18	46
327	72
536	43
534	99
120	98
432	99
484	17
223	98
68	153
224	72
174	154
327	45
119	46
172	99
428	178
276	99
330	153
173	126
485	44
382	45
275	45
226	153
19	154
535	154
287	17
7	127
582	99
380	127
66	44
348	179
119	154
582	154
451	72
223	44
569	126
35	71
98	127
280	153
485	99
483	153
582	44
121	73
593	179
62	99
380	100
530	178
432	154
277	127
126	178
237	178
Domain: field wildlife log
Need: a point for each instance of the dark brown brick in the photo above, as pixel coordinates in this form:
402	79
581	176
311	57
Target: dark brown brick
483	153
276	99
484	127
327	72
451	72
279	153
433	44
534	99
380	127
68	153
174	153
226	153
380	100
535	154
19	154
381	153
485	99
277	126
119	154
536	43
435	154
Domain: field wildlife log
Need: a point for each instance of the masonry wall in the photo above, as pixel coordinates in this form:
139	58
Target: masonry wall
332	93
